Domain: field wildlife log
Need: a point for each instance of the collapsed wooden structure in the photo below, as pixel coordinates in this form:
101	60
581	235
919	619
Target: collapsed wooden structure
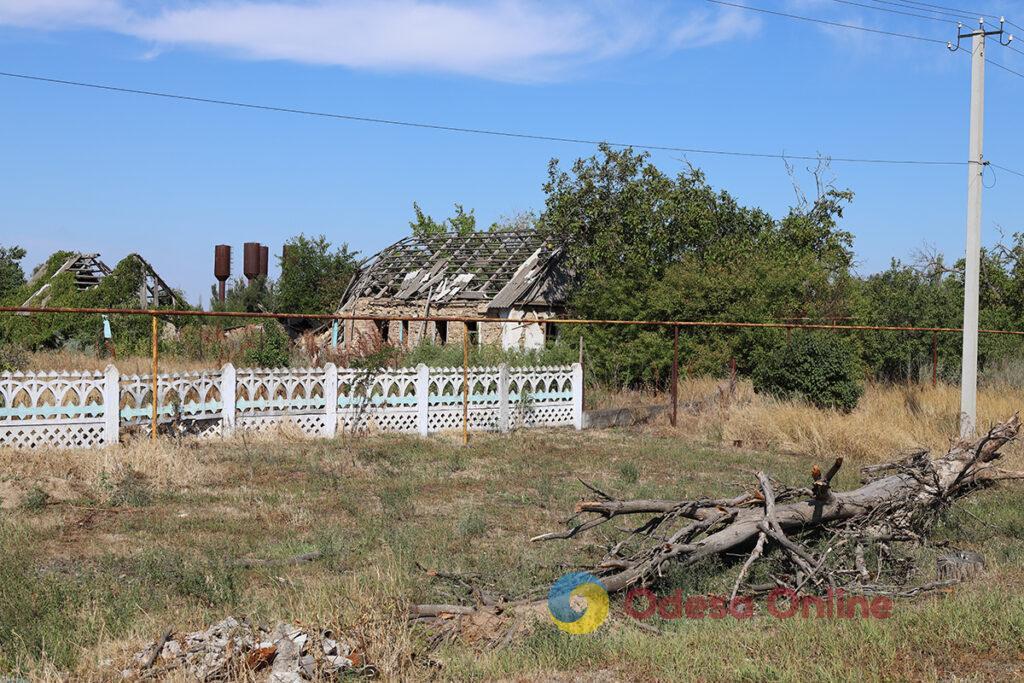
514	274
89	270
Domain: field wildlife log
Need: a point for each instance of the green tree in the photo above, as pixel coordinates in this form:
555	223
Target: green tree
462	222
249	296
12	277
643	245
314	277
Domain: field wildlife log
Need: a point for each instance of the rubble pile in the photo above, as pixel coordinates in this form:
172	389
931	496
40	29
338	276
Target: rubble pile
236	648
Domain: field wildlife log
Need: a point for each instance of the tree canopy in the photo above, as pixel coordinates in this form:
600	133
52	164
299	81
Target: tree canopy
12	277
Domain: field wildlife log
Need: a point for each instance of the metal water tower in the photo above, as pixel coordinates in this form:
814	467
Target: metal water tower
251	260
222	267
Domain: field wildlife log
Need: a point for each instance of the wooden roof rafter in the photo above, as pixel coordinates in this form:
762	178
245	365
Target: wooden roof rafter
474	267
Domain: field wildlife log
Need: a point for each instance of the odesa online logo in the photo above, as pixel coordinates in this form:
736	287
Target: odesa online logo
567	615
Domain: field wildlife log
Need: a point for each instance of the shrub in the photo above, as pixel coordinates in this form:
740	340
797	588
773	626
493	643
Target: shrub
12	358
36	499
267	348
822	368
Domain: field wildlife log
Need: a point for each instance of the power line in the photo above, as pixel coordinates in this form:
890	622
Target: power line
893	11
460	129
913	5
1004	68
857	28
829	23
1004	168
962	12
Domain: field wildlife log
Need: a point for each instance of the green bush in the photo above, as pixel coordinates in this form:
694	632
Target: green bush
822	368
266	348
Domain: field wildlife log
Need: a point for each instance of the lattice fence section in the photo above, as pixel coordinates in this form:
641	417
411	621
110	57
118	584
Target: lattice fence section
541	397
385	401
83	410
52	409
295	396
188	402
445	399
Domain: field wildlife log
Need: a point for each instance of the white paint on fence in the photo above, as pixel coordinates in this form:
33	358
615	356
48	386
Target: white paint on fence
90	409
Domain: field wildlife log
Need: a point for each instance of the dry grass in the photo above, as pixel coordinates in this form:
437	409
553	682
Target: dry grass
128	365
889	419
133	539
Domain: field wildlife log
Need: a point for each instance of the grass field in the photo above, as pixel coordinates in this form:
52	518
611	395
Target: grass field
104	550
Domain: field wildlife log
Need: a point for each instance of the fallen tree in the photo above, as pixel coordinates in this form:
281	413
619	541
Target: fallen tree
820	535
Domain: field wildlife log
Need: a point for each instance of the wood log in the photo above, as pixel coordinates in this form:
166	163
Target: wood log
897	507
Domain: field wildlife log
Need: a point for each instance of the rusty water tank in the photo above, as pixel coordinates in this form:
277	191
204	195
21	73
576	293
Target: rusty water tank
285	253
251	260
264	260
221	266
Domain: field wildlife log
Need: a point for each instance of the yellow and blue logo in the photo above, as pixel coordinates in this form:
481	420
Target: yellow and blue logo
578	603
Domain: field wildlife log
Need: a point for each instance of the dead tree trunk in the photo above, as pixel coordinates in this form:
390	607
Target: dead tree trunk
899	506
898	502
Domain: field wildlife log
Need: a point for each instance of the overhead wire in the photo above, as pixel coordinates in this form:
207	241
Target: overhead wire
893	11
858	28
1004	168
963	12
910	5
467	130
826	22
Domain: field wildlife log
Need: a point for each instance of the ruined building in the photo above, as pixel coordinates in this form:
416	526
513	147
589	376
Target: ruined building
87	271
513	274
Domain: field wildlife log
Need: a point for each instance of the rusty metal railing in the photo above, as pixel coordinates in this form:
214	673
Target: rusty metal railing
676	325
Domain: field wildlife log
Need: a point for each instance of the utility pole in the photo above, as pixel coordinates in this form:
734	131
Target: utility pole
975	173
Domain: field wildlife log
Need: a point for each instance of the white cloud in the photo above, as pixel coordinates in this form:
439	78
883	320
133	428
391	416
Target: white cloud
61	13
706	29
505	39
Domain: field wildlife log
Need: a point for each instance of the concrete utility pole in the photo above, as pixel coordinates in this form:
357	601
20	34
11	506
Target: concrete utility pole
975	173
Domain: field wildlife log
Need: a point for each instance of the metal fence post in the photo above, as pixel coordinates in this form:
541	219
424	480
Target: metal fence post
675	373
465	383
155	388
422	396
503	405
577	396
111	405
227	399
330	400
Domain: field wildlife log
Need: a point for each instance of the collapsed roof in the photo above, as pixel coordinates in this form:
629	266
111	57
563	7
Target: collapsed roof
500	268
89	270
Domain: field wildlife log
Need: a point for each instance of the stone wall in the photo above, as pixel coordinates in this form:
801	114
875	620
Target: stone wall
512	335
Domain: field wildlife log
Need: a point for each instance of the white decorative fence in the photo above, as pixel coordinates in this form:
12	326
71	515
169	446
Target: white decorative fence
90	409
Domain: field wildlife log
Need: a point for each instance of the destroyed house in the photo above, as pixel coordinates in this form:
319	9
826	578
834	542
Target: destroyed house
515	274
89	271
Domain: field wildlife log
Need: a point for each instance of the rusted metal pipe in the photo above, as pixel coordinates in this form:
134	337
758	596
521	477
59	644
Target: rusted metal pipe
935	360
465	383
457	319
155	402
675	373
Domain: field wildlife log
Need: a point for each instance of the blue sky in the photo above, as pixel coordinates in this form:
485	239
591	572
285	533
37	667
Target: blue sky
116	173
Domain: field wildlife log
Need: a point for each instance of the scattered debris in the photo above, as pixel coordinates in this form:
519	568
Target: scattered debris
236	648
622	417
959	566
